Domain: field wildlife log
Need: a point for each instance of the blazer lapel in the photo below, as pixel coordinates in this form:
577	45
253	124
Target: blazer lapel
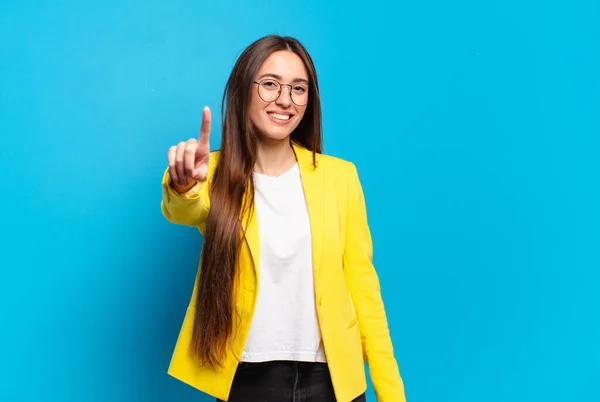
312	182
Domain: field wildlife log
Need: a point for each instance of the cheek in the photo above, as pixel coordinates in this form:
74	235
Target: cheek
257	107
255	110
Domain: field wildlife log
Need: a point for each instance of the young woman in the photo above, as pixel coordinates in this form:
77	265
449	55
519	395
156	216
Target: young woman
286	302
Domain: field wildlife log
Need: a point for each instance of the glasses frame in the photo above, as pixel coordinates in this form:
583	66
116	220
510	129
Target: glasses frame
259	83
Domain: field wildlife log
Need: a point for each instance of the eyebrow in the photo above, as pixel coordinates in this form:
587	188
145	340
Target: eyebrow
278	77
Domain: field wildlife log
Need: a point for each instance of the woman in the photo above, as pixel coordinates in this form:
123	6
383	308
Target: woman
286	301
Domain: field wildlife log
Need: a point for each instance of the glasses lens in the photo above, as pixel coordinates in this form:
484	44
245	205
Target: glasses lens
299	94
268	90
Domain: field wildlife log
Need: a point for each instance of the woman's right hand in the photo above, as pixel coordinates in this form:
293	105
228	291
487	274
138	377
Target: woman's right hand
188	161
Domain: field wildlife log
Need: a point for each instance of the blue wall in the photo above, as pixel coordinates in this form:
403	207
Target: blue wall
475	129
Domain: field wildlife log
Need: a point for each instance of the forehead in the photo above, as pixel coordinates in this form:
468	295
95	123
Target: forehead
286	64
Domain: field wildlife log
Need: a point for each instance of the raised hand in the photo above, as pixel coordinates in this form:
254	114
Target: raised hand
188	161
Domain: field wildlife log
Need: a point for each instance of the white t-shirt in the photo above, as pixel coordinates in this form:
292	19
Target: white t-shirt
285	324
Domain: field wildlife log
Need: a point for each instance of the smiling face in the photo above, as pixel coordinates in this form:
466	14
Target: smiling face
276	119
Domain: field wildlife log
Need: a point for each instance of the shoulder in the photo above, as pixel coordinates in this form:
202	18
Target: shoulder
342	174
327	164
341	168
213	161
342	177
215	155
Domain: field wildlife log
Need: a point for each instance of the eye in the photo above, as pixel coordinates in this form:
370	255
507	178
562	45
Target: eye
269	84
300	89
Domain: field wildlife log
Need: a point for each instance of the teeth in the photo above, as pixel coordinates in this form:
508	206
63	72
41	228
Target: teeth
280	116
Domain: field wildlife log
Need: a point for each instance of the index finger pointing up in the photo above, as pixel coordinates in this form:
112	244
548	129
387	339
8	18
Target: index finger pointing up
205	127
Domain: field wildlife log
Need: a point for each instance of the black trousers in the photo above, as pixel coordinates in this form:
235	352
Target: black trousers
283	381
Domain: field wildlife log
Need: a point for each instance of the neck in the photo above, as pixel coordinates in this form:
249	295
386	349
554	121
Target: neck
274	157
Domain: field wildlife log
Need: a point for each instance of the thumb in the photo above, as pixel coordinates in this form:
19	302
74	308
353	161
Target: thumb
201	172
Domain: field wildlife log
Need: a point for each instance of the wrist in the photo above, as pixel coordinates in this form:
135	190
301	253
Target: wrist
182	188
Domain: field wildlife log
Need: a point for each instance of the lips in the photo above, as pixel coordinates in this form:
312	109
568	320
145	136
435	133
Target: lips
280	116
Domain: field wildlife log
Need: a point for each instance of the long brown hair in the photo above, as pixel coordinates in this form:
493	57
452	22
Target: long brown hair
231	182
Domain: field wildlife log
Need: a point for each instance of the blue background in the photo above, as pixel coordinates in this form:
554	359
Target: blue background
475	129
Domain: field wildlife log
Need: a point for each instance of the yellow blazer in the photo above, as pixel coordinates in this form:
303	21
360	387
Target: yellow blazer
350	309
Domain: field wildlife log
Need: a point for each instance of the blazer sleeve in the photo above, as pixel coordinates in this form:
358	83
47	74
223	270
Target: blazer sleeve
363	285
189	208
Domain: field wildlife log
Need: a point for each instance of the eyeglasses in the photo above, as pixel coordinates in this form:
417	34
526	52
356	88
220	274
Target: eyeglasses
269	90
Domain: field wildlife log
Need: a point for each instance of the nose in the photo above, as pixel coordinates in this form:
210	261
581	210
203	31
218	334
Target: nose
285	96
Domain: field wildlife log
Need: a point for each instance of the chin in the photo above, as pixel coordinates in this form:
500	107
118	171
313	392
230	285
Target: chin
275	135
272	132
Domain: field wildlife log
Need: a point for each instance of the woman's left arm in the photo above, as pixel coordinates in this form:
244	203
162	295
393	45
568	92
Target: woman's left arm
363	285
